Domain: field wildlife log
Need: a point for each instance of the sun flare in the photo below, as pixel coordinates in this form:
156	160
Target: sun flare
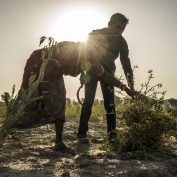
75	24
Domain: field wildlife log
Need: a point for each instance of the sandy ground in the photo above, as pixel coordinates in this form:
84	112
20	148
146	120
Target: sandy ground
29	153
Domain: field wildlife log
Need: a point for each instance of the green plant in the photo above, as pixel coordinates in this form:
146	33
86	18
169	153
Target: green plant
144	124
72	108
2	110
16	108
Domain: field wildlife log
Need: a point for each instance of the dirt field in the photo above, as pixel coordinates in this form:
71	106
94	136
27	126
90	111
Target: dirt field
29	153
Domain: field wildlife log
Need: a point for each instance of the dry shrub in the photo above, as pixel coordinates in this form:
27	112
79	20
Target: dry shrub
145	127
143	124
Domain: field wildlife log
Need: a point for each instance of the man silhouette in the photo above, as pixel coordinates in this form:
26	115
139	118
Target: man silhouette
105	45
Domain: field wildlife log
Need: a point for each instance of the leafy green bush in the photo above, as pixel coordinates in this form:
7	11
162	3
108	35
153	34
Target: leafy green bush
144	124
145	127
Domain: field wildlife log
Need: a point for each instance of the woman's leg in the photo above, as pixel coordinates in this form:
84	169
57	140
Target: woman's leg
59	124
59	131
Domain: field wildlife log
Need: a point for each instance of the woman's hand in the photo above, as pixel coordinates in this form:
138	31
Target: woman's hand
98	70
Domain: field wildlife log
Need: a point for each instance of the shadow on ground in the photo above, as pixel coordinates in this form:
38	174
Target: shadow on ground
29	153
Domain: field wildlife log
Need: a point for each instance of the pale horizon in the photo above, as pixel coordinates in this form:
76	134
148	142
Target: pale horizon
151	36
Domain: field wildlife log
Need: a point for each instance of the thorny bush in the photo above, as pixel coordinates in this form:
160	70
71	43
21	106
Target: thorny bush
143	124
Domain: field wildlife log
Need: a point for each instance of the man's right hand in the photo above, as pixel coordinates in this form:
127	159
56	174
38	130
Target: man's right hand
131	92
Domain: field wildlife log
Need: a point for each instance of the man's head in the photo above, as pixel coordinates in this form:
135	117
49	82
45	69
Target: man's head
117	23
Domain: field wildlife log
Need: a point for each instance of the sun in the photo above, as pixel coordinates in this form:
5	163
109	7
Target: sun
74	24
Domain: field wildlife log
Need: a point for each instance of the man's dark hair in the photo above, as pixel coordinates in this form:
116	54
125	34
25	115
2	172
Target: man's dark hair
118	17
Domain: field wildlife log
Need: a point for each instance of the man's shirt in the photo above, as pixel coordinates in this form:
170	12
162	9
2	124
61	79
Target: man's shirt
107	47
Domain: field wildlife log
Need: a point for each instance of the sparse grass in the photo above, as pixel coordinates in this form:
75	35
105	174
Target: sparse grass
73	109
2	110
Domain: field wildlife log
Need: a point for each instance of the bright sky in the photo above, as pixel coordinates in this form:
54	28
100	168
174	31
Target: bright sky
151	35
